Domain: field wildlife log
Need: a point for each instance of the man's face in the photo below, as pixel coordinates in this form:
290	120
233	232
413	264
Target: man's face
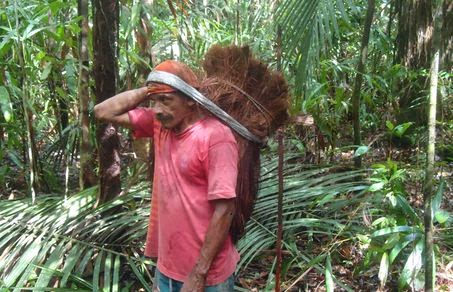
172	110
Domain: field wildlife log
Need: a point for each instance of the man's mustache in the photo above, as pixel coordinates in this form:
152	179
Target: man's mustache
164	118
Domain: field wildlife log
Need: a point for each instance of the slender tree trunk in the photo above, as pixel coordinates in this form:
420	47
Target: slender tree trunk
278	268
143	36
87	176
359	77
2	128
105	31
429	175
389	25
428	189
31	152
54	81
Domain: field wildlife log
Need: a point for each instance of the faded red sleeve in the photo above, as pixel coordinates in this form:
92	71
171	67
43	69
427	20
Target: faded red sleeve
142	121
222	165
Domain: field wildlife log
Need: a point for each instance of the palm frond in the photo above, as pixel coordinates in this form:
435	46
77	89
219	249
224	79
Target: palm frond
308	26
68	244
69	240
318	202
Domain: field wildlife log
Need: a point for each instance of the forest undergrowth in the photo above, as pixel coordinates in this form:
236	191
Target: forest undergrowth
333	227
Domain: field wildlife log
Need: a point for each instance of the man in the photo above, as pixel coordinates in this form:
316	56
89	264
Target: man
196	159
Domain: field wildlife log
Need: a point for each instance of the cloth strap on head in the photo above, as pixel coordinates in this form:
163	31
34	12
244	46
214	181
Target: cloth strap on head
154	88
176	82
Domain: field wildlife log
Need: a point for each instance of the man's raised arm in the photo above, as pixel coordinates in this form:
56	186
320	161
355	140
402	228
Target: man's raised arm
114	110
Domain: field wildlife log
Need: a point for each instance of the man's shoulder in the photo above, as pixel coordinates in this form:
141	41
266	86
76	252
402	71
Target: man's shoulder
217	131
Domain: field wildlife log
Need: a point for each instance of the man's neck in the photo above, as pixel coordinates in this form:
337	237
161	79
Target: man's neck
188	121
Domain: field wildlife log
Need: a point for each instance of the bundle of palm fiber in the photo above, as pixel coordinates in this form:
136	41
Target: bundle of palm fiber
257	98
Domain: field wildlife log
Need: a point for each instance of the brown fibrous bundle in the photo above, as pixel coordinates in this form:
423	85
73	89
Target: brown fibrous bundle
255	96
230	68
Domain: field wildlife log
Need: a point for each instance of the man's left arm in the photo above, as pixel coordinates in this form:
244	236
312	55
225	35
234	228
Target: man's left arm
216	235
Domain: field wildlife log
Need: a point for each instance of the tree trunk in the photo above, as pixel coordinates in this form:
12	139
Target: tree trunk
428	188
429	175
105	32
31	152
28	117
278	247
87	176
144	35
446	46
413	42
359	77
54	81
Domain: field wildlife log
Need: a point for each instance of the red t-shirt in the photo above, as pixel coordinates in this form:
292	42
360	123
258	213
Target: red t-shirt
191	169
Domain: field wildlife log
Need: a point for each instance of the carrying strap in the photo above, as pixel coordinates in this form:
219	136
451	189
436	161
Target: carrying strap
176	82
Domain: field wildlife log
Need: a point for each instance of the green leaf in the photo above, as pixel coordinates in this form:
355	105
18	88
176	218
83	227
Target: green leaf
96	271
361	150
407	209
5	46
389	125
437	200
61	92
379	221
378	166
139	275
35	31
40	55
107	270
45	73
442	216
397	249
391	241
53	261
24	260
390	230
363	238
83	263
5	104
384	269
329	275
392	199
376	187
116	274
413	265
71	261
401	129
60	33
30	271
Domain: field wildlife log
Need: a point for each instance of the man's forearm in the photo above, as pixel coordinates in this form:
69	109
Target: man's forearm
215	238
115	108
216	235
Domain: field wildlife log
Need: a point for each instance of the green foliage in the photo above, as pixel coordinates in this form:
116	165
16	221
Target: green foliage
317	203
399	130
37	34
84	247
70	241
5	104
329	278
397	234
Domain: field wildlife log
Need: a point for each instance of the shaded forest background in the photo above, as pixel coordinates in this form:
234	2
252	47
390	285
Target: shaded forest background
362	176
